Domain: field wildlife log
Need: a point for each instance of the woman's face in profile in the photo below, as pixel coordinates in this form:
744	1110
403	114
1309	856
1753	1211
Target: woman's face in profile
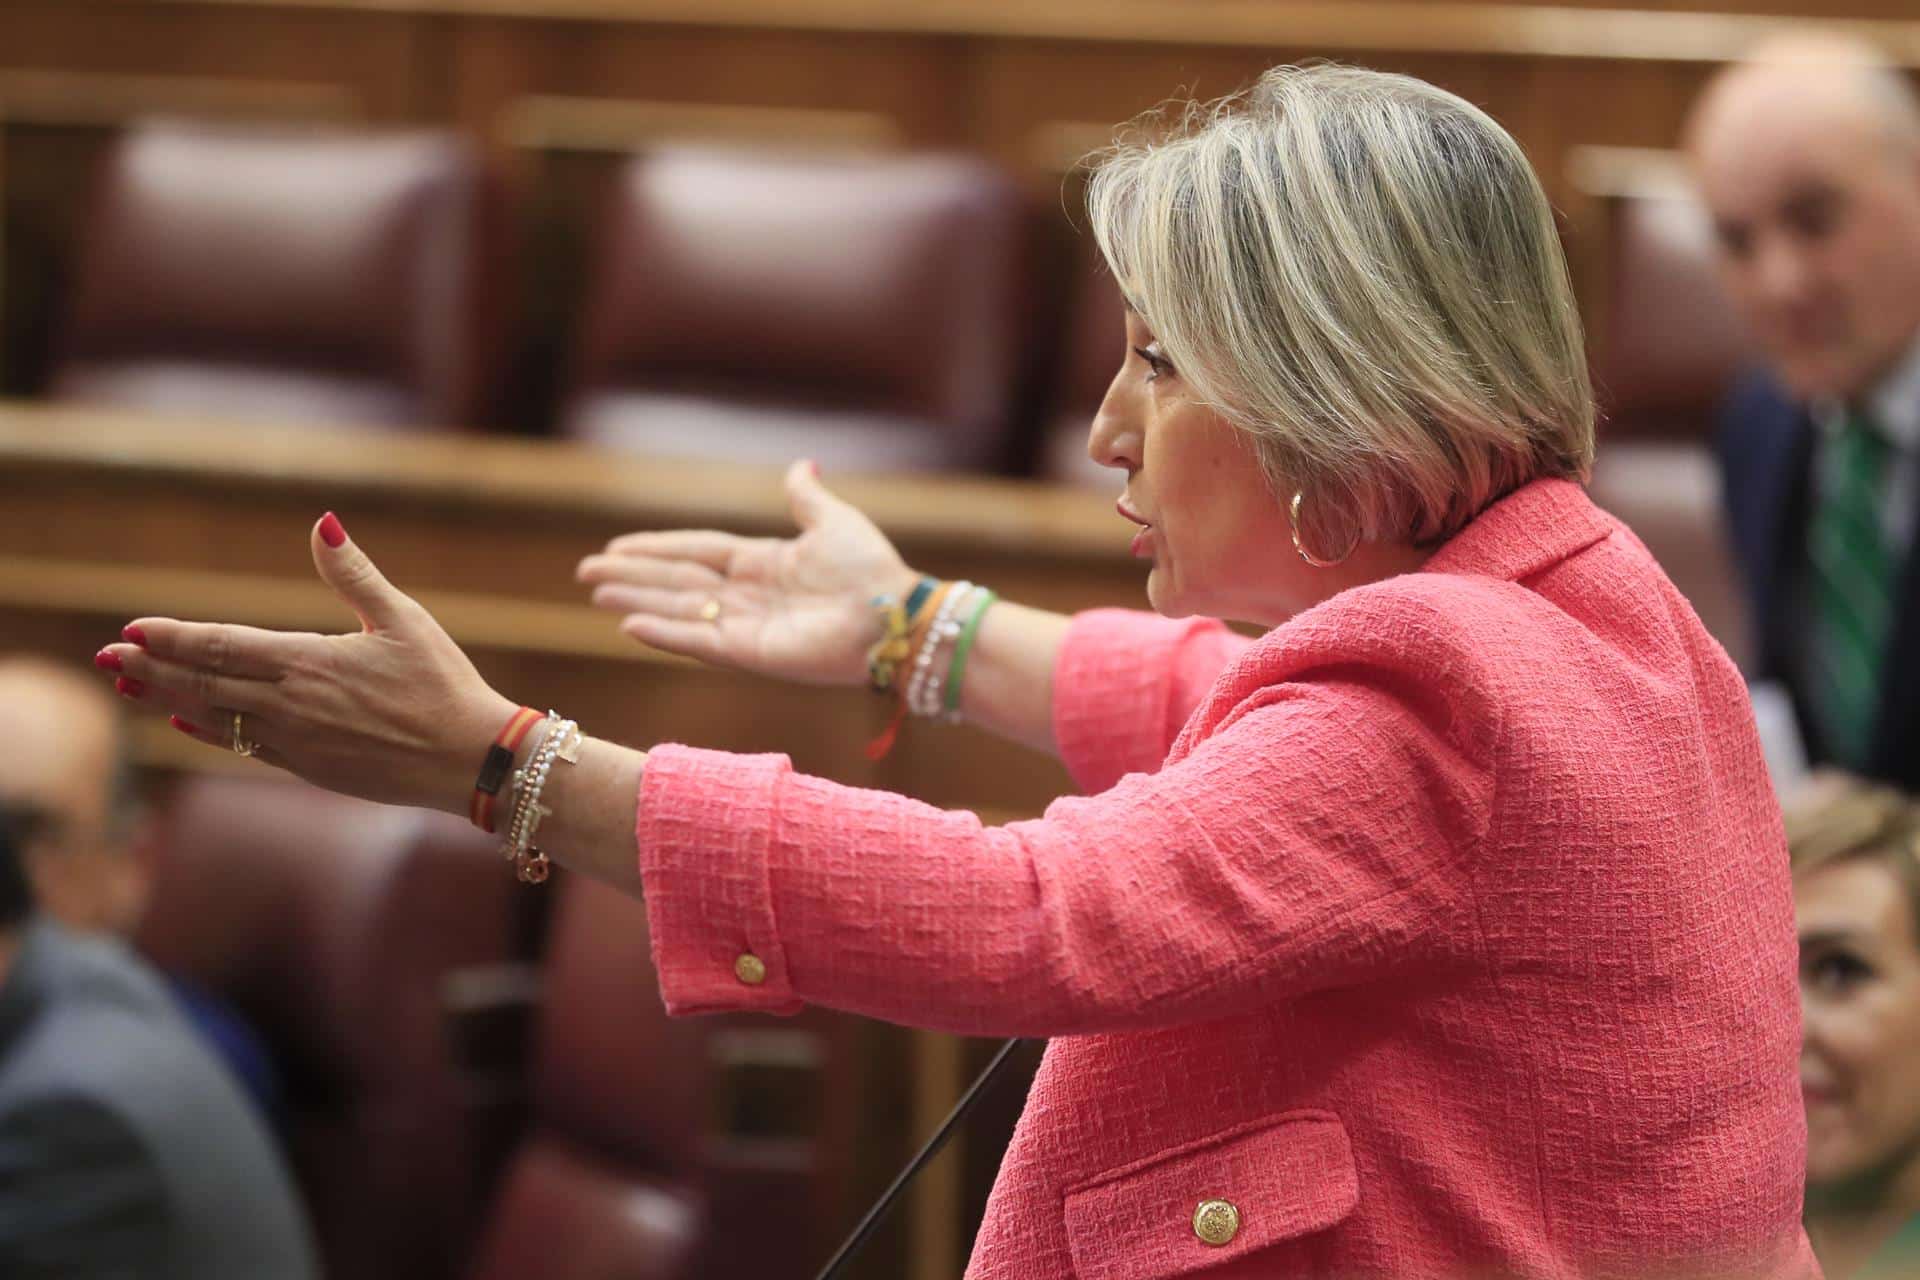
1860	1003
1219	541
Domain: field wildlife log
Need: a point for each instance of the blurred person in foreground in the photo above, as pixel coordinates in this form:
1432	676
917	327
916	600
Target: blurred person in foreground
1856	869
83	860
1808	159
1444	929
125	1150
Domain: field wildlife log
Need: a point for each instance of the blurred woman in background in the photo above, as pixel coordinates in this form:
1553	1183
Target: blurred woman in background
1856	870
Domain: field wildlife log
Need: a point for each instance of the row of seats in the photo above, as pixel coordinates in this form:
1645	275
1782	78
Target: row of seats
875	312
467	1080
866	311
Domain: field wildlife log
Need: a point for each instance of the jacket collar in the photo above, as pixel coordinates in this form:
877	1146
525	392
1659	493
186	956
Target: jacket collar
1533	528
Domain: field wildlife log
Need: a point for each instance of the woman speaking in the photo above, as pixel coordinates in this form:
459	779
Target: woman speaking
1444	929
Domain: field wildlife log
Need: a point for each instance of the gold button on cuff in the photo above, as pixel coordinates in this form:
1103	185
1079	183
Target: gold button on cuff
750	969
1216	1222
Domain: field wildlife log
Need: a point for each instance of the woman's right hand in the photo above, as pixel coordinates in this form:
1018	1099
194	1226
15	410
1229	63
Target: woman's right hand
798	608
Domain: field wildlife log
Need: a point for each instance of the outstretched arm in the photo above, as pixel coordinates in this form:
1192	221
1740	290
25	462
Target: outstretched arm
801	608
396	713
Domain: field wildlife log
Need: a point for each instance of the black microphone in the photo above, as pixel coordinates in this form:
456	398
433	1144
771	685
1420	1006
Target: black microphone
871	1223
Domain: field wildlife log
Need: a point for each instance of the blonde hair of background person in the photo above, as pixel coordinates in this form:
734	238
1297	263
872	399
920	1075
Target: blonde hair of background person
1359	954
1856	866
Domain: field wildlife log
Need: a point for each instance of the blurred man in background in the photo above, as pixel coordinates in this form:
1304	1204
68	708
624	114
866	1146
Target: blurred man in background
1808	158
125	1150
69	772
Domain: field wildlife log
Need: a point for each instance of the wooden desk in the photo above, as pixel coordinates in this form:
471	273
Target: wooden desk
107	516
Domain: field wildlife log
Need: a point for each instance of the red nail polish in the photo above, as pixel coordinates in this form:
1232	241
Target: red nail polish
107	660
181	725
128	687
814	467
331	531
133	635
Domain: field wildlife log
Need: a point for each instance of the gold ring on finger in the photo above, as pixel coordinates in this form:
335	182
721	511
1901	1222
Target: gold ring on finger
242	745
710	611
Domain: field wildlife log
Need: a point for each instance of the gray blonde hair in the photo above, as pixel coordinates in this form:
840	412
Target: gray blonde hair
1361	272
1838	817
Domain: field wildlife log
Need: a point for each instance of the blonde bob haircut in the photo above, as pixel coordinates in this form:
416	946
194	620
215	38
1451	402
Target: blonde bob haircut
1361	272
1837	817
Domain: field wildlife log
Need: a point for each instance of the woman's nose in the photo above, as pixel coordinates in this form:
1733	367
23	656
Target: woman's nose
1113	441
1812	1022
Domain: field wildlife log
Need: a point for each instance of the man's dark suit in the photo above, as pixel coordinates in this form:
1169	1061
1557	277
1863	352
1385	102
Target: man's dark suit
1767	446
125	1149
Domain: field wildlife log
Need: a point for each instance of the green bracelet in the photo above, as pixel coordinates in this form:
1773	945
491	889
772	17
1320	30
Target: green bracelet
958	667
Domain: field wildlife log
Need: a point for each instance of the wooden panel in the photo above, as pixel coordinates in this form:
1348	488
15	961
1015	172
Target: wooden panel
380	57
497	63
1588	29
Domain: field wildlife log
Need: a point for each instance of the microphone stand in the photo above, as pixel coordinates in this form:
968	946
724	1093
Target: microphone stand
871	1223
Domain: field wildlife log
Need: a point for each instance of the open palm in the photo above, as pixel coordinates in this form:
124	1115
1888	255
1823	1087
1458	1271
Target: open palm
796	608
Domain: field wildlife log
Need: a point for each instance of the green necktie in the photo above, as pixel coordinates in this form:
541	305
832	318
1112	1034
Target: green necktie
1852	581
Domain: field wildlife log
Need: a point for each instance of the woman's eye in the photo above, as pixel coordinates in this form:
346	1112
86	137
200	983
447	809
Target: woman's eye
1836	972
1156	363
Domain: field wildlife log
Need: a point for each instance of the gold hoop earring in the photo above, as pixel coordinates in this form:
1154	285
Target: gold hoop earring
1293	524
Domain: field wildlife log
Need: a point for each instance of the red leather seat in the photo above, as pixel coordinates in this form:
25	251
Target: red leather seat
662	1148
861	311
333	278
339	930
1669	347
1094	347
1671	339
607	1183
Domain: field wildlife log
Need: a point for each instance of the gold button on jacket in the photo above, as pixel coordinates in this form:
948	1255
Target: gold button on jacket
1216	1222
750	969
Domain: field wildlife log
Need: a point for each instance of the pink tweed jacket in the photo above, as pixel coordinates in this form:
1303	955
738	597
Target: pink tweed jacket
1443	930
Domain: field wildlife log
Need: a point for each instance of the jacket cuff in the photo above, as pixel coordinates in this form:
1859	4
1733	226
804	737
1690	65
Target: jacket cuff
1110	695
704	824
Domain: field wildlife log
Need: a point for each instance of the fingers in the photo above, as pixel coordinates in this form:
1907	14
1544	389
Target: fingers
806	496
706	547
354	578
698	640
682	606
175	685
248	652
647	571
221	735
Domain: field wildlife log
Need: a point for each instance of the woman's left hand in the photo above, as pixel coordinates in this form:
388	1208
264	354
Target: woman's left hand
395	713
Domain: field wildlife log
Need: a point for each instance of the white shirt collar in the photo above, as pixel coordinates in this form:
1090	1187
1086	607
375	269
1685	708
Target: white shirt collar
1894	403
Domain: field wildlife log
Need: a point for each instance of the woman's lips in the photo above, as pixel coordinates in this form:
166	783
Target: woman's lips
1818	1094
1140	547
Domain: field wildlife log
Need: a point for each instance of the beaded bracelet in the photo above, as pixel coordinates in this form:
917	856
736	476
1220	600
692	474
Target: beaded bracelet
561	742
893	656
923	692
